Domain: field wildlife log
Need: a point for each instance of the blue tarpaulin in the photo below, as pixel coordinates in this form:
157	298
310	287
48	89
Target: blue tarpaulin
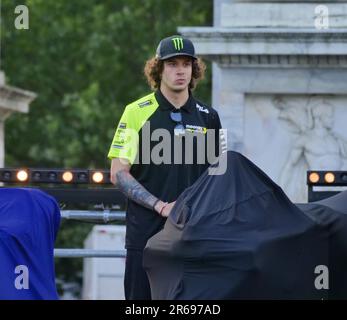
29	222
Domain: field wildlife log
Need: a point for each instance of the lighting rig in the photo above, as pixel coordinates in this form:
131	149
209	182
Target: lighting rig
66	185
324	179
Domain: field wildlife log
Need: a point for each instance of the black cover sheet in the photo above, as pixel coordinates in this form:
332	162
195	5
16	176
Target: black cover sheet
238	236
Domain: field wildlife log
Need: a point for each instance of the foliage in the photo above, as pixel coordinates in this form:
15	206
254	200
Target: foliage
85	61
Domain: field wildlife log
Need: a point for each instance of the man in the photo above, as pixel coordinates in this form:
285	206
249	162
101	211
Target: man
151	177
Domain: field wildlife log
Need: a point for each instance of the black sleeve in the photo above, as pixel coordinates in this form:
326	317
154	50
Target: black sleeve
217	122
216	125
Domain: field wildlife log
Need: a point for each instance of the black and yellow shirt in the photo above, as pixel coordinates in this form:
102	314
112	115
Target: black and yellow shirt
153	154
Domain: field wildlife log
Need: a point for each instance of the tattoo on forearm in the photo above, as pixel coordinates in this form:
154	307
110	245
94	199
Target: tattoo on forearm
134	190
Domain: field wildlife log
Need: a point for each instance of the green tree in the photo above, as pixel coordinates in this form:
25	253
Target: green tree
85	61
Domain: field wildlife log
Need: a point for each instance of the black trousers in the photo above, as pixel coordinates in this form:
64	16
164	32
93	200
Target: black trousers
136	284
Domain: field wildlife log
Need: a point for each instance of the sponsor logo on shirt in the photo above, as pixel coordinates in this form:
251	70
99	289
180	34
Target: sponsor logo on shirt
201	108
123	125
117	146
145	103
192	128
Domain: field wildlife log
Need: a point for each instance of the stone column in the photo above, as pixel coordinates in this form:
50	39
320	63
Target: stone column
11	100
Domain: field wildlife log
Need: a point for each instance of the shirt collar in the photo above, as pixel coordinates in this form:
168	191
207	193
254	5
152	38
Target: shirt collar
165	104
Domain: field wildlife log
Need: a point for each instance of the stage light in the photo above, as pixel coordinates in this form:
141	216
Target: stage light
44	176
82	177
52	176
329	177
97	177
55	176
67	176
313	177
22	175
6	176
327	180
36	176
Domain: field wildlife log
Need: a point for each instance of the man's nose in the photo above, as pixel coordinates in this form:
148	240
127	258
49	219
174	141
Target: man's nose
180	69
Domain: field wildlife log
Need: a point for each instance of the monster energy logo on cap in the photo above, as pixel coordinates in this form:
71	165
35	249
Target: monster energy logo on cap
178	43
175	46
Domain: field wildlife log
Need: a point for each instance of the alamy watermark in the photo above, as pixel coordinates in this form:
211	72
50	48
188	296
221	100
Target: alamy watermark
321	20
21	282
322	280
22	20
195	146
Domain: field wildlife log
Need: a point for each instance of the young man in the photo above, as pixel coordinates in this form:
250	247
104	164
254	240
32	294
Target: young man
153	174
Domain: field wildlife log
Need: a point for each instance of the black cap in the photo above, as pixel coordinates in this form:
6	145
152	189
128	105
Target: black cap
175	46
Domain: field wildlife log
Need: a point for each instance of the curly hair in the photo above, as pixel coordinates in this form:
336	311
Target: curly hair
154	68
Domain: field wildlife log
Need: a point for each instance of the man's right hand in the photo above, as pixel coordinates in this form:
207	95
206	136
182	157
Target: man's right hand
166	210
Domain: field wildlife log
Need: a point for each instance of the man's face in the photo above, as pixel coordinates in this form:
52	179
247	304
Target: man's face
177	73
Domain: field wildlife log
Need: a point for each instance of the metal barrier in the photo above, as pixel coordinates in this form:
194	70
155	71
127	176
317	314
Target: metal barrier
95	271
106	216
85	215
88	253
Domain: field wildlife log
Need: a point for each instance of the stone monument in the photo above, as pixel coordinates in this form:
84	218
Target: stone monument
11	100
280	84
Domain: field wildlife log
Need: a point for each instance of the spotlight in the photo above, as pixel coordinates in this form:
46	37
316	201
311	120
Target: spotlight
97	177
329	177
82	177
6	176
313	177
36	176
22	175
52	176
67	176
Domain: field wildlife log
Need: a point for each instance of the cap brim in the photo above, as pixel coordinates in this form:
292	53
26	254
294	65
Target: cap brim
177	54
